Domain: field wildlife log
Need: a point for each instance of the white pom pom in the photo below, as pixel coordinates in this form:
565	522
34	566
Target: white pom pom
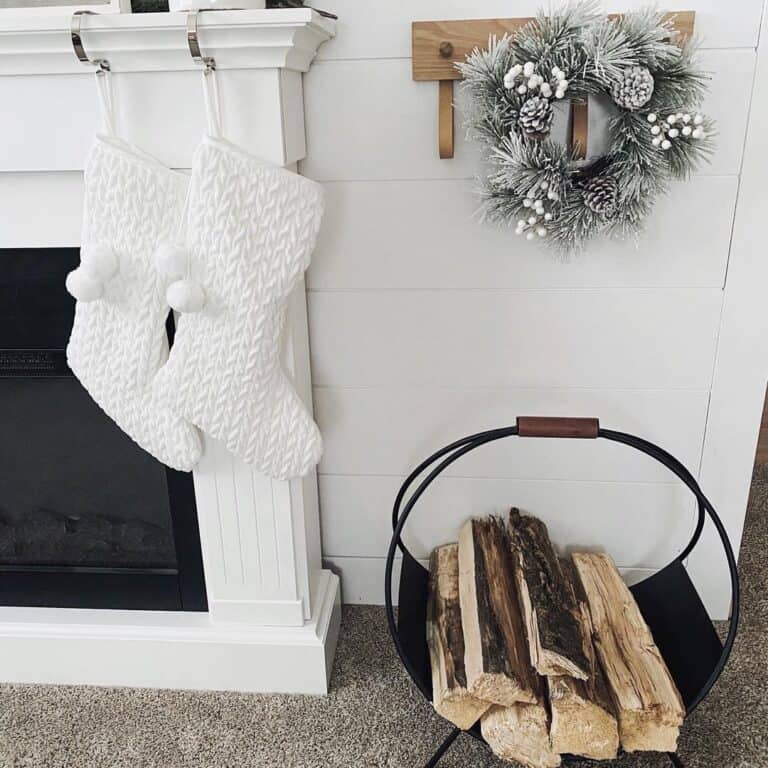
185	296
101	261
666	144
528	68
652	117
84	285
171	260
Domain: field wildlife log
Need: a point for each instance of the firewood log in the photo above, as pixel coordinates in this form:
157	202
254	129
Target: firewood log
649	708
496	651
583	720
548	604
445	638
520	733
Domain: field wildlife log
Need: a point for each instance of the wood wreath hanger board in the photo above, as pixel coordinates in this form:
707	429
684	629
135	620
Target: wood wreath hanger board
438	45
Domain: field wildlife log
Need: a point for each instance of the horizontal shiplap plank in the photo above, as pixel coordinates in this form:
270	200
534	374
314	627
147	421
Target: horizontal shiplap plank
384	125
425	234
640	524
24	197
372	29
390	431
362	578
585	338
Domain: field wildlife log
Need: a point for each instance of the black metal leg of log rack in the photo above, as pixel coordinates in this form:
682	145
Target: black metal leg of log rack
443	748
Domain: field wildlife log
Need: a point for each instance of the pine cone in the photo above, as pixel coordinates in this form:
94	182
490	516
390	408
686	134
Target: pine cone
634	89
601	195
536	116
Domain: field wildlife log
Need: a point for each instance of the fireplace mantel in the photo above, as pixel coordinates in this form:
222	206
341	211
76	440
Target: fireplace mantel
274	612
150	42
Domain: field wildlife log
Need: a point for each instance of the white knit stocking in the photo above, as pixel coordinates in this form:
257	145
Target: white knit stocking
118	339
250	232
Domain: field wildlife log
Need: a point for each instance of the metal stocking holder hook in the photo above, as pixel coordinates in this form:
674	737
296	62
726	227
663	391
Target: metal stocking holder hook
194	44
77	42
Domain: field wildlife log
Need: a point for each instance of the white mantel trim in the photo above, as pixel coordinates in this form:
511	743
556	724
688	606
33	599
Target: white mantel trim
149	42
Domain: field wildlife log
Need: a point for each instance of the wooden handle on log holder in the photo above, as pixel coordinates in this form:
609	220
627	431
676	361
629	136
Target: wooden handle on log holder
552	426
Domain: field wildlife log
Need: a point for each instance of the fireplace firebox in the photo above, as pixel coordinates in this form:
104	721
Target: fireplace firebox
87	518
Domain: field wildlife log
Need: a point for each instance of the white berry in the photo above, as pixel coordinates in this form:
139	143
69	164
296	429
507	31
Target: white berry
698	120
666	144
532	220
686	118
563	85
655	130
671	119
527	202
520	223
546	90
541	231
528	68
522	89
687	130
698	133
533	82
559	94
547	217
530	236
652	117
656	142
674	133
544	184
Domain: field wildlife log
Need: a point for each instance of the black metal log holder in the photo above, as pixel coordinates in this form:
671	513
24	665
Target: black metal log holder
668	600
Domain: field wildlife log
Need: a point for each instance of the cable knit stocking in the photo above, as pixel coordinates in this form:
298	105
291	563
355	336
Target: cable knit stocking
250	232
118	339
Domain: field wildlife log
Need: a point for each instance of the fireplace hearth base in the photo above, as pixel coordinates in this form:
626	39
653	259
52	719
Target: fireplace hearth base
170	649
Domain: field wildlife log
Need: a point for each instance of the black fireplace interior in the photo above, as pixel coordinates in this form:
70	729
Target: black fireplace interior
87	518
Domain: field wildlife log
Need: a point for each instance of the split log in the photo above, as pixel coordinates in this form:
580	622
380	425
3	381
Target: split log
583	720
648	705
548	604
496	652
445	638
520	733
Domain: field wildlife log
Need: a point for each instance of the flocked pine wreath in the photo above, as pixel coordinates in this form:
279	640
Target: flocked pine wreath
656	136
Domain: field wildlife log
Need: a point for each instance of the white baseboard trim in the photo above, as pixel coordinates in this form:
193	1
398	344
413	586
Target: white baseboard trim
159	649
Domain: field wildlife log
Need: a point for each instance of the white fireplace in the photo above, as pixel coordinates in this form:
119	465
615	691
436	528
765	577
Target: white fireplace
273	611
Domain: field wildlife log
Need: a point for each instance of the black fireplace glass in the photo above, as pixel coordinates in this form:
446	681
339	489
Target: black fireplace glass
87	518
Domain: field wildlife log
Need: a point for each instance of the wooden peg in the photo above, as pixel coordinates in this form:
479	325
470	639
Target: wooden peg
579	128
445	120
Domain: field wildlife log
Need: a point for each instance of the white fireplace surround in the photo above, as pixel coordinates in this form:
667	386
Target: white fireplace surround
274	613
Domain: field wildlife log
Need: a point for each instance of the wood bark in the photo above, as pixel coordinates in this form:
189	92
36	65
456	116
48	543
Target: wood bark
548	604
445	638
520	733
496	657
649	708
583	719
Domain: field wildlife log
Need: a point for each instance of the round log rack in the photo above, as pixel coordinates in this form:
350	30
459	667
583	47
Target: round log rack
668	600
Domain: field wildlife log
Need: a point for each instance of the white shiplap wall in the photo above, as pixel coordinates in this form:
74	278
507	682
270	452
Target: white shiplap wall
426	325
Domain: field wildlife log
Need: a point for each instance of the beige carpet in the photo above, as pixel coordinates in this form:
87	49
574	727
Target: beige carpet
373	716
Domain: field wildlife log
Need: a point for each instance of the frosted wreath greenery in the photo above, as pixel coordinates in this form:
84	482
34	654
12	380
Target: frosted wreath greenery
656	136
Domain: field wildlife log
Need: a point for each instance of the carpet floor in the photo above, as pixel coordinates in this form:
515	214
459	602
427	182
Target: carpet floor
373	716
